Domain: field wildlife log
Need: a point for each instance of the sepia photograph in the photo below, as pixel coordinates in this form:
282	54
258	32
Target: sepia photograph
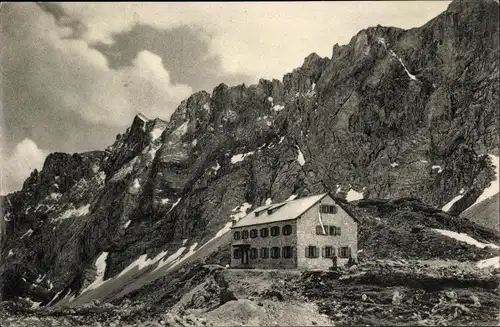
274	163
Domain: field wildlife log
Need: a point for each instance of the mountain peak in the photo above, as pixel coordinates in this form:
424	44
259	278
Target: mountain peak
465	6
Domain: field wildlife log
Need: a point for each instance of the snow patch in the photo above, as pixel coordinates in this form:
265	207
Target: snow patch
270	99
462	237
100	264
54	298
34	305
184	241
353	195
439	168
194	142
292	197
28	234
82	211
300	157
7	217
40	278
448	205
217	166
142	117
411	76
175	204
156	133
491	262
394	164
171	258
190	252
206	106
135	188
424	161
281	139
240	157
494	185
268	201
11	253
143	261
127	224
278	107
55	196
95	169
165	201
181	130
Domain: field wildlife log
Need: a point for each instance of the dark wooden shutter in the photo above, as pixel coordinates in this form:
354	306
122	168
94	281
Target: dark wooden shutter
323	252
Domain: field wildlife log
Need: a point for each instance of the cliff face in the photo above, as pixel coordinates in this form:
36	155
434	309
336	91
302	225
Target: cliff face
394	113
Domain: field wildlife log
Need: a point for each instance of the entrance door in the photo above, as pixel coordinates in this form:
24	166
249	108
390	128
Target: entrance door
244	256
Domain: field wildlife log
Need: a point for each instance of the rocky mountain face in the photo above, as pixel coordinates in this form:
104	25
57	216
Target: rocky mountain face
395	113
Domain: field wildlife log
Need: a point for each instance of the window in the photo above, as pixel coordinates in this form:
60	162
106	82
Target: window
287	252
328	252
264	253
275	231
237	254
287	230
275	252
237	235
244	234
311	251
327	208
253	233
334	230
321	230
253	253
344	252
264	232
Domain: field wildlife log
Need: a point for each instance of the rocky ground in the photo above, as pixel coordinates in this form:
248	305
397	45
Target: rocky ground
380	292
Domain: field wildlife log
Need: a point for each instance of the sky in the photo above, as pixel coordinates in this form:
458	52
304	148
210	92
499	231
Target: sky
75	74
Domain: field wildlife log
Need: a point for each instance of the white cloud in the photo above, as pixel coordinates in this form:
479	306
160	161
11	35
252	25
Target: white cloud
265	39
17	166
77	78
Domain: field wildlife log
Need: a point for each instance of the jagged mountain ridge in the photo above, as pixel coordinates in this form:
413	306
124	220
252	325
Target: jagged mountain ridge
394	113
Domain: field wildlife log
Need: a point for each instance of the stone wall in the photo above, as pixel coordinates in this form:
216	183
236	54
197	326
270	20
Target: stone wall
267	242
306	235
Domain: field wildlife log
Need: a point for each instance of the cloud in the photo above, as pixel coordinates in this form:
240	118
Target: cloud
264	39
185	52
39	57
25	157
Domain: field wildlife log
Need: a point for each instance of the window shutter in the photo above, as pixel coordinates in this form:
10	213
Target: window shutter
338	231
323	252
333	251
334	209
307	252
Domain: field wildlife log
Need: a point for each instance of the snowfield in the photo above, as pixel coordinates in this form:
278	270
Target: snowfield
101	268
494	186
491	262
462	237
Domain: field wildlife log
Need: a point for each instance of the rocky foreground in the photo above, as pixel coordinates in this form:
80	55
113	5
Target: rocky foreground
381	292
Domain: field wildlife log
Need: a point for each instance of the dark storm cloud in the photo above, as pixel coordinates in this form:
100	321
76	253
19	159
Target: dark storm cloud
62	19
185	53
